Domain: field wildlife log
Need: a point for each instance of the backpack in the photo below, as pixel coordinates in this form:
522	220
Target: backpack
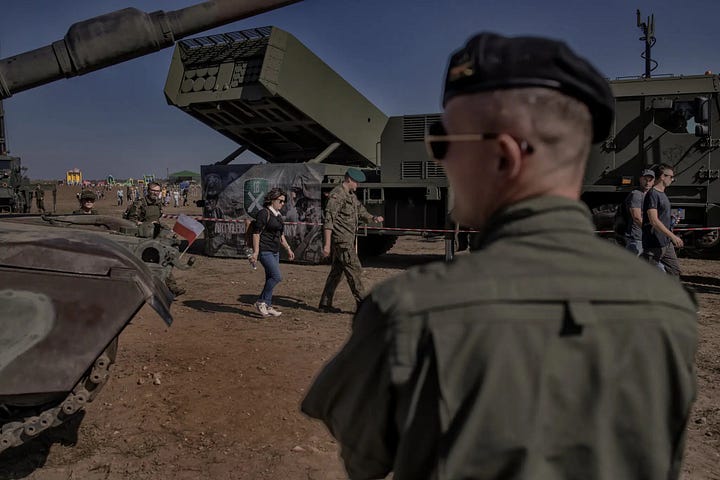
621	220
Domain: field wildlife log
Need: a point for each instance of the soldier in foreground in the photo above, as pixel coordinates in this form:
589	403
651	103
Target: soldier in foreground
529	358
87	202
342	213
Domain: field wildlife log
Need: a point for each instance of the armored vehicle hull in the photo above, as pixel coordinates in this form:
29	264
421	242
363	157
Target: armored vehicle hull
69	285
64	299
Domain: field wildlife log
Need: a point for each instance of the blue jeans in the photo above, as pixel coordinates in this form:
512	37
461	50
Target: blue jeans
271	263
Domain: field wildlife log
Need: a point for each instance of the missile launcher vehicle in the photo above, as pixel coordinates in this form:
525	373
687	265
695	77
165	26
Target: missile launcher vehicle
268	92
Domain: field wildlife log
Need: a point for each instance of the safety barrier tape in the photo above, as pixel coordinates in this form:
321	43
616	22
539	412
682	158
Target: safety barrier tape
398	229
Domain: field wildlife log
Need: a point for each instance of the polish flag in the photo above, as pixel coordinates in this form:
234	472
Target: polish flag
188	228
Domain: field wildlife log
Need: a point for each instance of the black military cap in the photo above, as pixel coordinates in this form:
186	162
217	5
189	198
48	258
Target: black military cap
491	62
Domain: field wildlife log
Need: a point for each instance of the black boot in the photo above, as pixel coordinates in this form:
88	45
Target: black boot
329	309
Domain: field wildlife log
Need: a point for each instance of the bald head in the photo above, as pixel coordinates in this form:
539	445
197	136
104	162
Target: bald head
558	127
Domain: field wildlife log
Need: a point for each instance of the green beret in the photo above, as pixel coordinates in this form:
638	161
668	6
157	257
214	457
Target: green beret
355	174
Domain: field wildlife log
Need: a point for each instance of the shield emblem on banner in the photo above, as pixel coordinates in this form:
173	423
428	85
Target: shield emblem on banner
255	190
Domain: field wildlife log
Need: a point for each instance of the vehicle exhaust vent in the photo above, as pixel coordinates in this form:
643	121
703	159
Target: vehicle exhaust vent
434	170
415	126
411	169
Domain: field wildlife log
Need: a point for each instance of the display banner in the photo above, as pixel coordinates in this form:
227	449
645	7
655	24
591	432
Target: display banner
238	191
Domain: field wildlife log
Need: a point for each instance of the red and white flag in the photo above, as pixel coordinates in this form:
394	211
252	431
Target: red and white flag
188	228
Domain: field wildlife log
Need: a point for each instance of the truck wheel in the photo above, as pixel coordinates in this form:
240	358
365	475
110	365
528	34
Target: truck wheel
709	239
374	245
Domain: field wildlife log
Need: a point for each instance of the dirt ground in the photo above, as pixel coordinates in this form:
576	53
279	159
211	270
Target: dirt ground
216	395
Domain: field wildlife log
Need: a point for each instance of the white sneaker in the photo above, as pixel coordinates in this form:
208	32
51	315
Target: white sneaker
273	312
262	308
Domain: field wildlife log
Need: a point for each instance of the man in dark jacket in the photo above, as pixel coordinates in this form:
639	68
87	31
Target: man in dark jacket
529	358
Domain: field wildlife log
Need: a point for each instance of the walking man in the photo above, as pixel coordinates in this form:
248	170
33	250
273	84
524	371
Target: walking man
633	212
342	213
40	199
658	240
529	357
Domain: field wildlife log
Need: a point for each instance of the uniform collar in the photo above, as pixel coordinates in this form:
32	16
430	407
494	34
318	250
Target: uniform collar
537	215
274	212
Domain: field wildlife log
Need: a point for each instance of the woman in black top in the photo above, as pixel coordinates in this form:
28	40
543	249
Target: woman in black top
266	248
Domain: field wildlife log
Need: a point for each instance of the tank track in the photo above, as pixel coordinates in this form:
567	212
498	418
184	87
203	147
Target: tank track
16	433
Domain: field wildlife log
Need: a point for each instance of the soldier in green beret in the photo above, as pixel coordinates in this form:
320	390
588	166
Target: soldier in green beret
547	353
342	213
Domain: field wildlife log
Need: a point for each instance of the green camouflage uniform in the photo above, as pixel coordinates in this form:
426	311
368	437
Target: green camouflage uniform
342	213
83	212
144	211
549	353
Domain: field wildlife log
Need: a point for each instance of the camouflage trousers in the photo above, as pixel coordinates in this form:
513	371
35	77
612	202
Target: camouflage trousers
344	260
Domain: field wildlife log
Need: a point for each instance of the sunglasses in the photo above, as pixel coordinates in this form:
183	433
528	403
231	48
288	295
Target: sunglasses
155	191
281	201
438	141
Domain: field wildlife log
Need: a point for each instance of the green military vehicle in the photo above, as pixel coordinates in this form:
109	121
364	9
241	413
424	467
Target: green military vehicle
268	92
668	120
67	289
15	191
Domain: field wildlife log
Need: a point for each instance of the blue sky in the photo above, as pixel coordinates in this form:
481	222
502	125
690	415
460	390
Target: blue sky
116	121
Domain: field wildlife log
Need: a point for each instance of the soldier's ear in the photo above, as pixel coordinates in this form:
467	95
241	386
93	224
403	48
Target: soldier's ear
510	159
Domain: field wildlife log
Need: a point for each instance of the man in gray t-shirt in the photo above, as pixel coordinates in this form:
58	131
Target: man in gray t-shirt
633	207
658	240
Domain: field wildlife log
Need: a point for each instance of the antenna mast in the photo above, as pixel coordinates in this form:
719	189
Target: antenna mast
3	141
648	29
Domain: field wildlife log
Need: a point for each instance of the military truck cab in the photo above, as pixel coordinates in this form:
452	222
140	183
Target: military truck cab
671	120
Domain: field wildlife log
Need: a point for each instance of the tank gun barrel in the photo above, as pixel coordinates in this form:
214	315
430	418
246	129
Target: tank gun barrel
115	37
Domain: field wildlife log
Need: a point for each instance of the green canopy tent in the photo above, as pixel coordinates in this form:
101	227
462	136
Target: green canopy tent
185	175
